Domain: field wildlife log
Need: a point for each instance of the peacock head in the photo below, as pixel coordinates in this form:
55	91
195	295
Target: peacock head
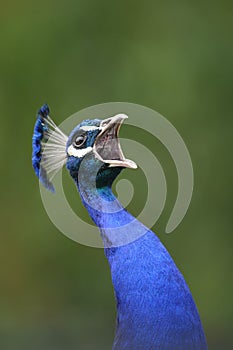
91	150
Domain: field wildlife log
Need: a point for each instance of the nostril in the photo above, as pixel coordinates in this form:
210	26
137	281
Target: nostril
105	122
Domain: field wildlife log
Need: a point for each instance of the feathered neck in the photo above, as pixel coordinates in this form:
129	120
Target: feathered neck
117	226
155	309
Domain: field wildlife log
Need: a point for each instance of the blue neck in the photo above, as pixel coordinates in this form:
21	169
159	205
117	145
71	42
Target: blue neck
155	309
117	226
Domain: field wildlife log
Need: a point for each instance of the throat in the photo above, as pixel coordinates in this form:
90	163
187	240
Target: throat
104	209
101	204
116	225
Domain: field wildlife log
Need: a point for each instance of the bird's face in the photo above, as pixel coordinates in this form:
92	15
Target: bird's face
97	142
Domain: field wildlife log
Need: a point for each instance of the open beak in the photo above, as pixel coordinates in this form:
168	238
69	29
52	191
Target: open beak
107	146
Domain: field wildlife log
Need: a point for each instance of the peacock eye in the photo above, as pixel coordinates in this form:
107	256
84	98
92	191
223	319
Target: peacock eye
79	141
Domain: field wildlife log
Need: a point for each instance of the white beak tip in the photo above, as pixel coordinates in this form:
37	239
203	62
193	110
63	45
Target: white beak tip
121	116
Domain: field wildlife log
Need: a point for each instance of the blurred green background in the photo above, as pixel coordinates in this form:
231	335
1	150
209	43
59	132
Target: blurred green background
173	56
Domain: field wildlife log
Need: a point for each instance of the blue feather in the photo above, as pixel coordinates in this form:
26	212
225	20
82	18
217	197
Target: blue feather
155	309
38	135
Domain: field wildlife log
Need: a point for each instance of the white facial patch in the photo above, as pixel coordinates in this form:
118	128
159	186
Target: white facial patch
78	153
89	128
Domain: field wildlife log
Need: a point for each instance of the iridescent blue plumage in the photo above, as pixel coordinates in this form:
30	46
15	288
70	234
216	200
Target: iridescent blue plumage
155	309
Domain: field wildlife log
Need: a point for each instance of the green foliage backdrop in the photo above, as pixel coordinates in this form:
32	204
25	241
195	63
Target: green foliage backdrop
173	56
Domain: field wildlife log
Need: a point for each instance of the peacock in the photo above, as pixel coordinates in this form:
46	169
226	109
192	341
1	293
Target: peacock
155	308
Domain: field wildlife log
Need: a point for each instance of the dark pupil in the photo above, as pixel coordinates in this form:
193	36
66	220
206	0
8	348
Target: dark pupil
79	141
